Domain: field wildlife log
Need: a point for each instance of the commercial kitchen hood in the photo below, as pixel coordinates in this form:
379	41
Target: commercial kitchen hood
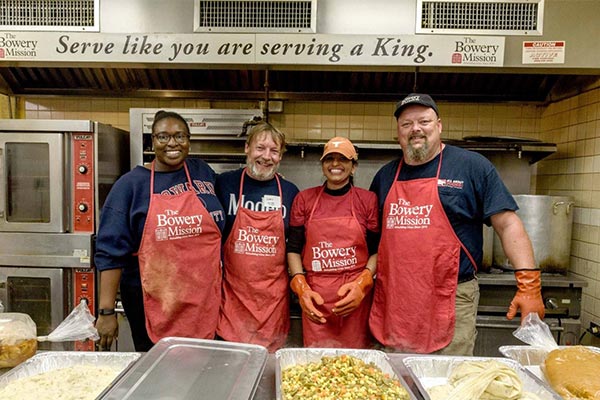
568	21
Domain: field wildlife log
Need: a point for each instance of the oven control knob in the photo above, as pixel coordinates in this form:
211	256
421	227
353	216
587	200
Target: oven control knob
82	169
551	303
82	207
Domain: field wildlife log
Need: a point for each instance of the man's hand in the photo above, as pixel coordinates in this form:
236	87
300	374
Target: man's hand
529	294
308	298
108	329
353	294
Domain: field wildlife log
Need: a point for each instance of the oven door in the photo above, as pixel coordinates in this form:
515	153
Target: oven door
33	196
40	293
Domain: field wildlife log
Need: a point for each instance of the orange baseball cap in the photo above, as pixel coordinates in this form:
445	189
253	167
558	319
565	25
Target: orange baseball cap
340	145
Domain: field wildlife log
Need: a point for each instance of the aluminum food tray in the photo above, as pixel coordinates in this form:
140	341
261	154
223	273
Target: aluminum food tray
184	368
429	371
297	356
51	360
532	357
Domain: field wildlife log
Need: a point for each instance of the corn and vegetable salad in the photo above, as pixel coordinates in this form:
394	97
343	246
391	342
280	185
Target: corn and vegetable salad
340	377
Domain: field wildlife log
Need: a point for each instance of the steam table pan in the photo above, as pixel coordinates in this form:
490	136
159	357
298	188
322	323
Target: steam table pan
296	356
429	371
186	369
532	357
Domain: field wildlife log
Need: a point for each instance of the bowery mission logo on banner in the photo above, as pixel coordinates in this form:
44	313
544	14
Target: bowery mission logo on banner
11	46
472	51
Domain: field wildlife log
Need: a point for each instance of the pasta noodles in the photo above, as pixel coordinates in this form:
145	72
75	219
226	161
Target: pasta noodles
82	382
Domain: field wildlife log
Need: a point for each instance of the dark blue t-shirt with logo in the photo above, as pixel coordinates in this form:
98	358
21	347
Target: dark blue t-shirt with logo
124	213
470	189
228	191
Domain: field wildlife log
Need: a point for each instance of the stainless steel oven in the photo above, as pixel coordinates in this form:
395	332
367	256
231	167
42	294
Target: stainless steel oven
46	275
54	178
54	173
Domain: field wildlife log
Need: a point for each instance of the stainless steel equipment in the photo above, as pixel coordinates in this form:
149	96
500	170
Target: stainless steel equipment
54	178
216	134
182	368
548	221
562	300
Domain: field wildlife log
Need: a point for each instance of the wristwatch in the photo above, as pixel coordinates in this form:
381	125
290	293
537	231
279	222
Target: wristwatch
106	311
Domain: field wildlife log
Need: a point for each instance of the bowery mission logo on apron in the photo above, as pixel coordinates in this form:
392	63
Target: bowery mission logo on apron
404	215
327	257
172	226
250	241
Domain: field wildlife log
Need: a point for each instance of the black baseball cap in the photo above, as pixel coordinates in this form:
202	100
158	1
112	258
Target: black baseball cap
415	98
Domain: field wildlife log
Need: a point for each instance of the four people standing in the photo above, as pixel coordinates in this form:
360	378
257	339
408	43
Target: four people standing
256	302
432	202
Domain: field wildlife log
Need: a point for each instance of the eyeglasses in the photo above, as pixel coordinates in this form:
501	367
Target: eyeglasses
164	138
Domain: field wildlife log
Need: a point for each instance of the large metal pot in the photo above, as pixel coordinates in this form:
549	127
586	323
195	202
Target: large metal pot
549	222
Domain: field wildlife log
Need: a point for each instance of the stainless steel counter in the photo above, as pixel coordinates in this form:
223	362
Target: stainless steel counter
554	280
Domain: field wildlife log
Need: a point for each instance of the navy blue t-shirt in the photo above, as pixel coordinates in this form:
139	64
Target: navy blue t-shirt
470	190
228	191
124	213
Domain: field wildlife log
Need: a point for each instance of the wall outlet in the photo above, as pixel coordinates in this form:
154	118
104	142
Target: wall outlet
595	329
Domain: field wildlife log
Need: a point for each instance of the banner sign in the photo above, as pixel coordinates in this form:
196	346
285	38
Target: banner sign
307	49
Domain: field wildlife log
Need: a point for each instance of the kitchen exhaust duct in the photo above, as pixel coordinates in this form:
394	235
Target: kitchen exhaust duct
282	16
49	15
480	17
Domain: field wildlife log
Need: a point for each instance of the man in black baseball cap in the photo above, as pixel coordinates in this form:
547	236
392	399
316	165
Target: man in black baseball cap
434	199
415	98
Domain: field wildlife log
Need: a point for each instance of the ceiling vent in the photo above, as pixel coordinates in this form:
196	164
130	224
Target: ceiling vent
265	16
480	17
49	15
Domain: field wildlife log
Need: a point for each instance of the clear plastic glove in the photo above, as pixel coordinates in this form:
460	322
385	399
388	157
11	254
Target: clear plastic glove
535	332
353	294
529	295
308	298
79	325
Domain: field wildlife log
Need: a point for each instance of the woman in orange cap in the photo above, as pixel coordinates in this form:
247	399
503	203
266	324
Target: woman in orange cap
332	253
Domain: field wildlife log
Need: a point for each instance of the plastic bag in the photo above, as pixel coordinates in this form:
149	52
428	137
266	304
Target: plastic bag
17	339
79	325
535	332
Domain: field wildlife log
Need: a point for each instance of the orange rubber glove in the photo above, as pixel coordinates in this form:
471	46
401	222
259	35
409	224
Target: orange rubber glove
529	294
308	298
353	293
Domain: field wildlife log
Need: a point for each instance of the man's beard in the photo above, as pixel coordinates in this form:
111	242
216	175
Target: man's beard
261	176
417	154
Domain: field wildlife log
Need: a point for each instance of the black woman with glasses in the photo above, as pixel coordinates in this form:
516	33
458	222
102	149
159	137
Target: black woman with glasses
159	242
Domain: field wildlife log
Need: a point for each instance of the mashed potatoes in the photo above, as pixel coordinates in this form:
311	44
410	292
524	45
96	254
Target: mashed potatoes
82	382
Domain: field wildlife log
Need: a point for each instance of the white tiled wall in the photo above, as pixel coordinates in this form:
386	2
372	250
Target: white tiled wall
574	124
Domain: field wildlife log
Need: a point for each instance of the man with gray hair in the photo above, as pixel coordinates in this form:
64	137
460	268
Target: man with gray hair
257	201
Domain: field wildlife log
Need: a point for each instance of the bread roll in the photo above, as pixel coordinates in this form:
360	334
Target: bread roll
574	372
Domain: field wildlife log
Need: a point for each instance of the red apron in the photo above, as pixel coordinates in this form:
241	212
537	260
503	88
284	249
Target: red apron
417	269
180	268
335	253
256	304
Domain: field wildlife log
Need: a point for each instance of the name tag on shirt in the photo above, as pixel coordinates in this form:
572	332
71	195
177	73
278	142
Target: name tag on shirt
270	201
